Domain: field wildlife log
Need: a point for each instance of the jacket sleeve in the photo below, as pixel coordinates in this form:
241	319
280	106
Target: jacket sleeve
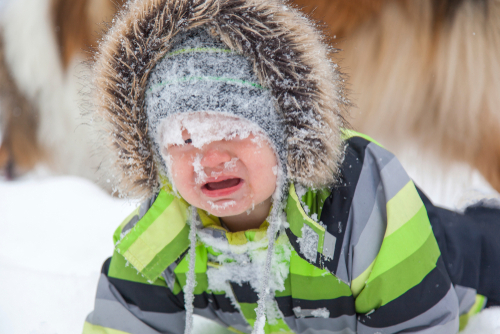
397	275
127	303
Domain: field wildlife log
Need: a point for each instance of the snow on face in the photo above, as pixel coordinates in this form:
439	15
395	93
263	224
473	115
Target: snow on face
219	163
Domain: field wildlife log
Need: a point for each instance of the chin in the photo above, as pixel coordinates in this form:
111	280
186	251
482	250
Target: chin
225	212
225	209
43	45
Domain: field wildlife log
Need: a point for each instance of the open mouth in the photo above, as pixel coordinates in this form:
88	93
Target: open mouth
221	188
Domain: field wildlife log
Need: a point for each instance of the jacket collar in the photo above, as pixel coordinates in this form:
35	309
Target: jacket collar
161	236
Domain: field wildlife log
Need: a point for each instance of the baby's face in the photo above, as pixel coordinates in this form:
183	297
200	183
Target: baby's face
223	177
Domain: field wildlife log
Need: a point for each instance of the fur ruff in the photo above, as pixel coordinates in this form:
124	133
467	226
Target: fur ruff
288	57
423	71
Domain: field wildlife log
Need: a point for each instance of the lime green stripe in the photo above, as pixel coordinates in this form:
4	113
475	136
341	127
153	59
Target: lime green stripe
314	225
201	282
475	309
200	263
200	269
207	78
463	320
402	207
119	268
88	328
318	288
288	289
312	283
161	203
167	255
294	216
299	266
248	311
315	200
118	231
197	50
478	305
347	134
403	243
399	279
359	282
297	217
159	234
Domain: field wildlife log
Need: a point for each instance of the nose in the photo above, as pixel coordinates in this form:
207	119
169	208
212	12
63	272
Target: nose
214	157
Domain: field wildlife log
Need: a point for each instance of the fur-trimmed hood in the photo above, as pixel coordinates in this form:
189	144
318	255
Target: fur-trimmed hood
288	57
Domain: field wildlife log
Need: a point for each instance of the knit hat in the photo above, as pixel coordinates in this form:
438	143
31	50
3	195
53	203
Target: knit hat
201	74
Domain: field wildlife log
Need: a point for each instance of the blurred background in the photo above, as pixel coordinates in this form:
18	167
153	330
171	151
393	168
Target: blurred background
423	79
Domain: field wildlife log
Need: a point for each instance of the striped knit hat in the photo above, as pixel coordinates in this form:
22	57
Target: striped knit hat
200	74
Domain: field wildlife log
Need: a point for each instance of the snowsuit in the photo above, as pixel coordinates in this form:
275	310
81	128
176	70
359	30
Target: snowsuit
377	266
362	250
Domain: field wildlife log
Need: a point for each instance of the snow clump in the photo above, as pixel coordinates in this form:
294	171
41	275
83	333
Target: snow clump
308	243
205	128
320	313
199	170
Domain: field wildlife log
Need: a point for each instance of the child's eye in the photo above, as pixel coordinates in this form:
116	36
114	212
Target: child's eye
188	141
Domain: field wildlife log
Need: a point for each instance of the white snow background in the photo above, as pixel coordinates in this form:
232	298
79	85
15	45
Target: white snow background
57	232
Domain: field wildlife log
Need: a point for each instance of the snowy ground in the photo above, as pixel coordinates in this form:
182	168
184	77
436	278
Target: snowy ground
56	232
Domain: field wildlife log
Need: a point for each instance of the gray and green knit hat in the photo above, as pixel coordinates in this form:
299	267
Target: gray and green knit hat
201	74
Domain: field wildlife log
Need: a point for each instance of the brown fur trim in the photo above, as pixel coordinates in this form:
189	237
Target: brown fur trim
342	16
294	66
426	71
78	24
19	150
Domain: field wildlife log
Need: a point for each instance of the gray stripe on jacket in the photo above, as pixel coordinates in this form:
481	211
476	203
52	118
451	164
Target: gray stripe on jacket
112	314
442	318
345	324
382	176
112	311
466	298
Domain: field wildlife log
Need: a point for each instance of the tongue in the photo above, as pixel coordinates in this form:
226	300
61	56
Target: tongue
222	184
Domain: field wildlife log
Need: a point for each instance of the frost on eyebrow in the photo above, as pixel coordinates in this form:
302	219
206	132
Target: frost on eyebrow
206	127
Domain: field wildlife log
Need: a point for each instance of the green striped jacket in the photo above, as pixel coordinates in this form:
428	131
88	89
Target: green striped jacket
375	265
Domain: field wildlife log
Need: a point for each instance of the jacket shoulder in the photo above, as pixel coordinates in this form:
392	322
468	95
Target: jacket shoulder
133	218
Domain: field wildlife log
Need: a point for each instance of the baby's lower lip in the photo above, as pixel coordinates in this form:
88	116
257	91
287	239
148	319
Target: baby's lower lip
222	188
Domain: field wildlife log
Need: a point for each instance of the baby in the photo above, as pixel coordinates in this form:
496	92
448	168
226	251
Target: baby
263	211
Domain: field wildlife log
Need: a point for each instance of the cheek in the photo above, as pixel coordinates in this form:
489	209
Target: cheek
262	164
182	169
